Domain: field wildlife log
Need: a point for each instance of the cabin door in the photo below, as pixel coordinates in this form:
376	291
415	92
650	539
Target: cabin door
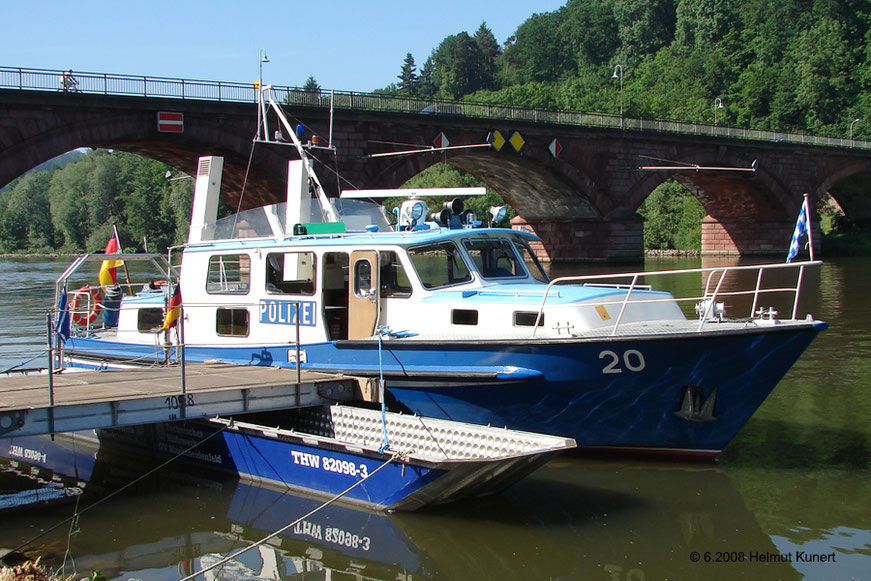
363	294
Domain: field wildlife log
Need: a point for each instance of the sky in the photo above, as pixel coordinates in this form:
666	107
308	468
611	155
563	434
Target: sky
345	45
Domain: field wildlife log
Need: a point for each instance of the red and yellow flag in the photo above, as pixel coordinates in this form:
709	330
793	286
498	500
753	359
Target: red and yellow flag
173	310
107	268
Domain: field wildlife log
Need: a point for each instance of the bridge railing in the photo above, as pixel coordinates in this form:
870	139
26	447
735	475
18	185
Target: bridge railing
166	87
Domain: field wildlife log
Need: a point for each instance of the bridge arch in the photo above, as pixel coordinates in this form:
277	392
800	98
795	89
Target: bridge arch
848	185
747	212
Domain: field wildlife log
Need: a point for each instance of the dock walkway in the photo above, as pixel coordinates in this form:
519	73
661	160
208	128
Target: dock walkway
85	400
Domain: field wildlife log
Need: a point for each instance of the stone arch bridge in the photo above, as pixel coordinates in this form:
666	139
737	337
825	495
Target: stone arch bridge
581	202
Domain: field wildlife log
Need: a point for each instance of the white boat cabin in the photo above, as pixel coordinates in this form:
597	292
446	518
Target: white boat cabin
248	279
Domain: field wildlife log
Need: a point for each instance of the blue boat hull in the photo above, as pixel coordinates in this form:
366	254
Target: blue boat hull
673	394
335	453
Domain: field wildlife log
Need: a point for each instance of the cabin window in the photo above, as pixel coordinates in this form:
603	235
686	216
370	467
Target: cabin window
231	322
394	280
291	273
532	263
494	258
149	320
527	319
229	274
464	317
362	278
439	265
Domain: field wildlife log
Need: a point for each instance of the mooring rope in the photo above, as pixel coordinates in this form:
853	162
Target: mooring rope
78	513
23	362
284	528
384	443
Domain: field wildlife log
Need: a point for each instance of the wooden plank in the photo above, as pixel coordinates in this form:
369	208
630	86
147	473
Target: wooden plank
100	399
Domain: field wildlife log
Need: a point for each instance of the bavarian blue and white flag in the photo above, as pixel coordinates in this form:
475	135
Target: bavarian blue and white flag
62	323
802	229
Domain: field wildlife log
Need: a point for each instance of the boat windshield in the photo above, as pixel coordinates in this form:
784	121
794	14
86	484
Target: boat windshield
494	258
439	265
269	221
528	256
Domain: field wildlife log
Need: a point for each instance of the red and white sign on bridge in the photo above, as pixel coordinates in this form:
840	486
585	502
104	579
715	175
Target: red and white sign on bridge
170	122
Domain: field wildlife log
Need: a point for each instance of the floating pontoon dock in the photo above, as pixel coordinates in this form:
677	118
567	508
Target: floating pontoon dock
86	400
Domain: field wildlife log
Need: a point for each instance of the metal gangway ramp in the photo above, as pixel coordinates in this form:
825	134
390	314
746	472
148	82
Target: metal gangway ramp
88	400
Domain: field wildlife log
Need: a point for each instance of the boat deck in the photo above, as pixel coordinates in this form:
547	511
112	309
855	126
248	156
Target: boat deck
86	400
625	330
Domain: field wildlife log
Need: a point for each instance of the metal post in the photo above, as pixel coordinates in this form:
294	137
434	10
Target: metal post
623	306
298	375
797	291
50	376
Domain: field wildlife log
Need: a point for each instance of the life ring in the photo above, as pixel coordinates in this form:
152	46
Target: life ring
156	285
87	296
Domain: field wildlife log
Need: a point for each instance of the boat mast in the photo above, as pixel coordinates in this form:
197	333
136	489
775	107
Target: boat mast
309	174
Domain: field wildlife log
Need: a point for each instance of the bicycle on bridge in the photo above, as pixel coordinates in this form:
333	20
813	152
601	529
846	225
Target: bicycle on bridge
68	82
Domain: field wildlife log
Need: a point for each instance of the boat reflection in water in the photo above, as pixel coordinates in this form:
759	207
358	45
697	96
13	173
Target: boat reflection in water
575	518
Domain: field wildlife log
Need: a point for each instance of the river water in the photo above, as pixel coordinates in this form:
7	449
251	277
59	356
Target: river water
790	498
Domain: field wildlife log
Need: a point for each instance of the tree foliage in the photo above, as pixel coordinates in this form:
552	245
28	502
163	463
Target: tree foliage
672	218
785	65
74	208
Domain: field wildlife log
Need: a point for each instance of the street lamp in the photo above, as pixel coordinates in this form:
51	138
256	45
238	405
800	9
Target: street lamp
262	130
856	120
263	59
718	104
618	74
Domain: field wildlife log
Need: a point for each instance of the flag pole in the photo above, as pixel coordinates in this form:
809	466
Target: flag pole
810	227
124	264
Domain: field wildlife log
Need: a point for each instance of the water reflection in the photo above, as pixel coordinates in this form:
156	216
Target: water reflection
796	478
575	519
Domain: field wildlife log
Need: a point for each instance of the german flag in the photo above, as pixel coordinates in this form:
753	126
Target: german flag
173	310
107	268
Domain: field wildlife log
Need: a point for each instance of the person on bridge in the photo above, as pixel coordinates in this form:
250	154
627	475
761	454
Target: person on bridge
68	81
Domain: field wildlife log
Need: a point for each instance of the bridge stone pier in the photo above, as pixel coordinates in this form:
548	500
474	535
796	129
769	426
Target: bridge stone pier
582	202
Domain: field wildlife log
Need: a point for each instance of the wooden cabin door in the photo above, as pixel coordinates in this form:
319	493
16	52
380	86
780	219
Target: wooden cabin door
363	294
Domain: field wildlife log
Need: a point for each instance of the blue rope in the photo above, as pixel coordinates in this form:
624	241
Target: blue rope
20	363
384	444
382	331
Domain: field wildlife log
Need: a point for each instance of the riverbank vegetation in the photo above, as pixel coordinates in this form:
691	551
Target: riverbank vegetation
73	208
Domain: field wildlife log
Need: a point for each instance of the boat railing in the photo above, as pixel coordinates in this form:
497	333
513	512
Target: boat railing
166	348
707	305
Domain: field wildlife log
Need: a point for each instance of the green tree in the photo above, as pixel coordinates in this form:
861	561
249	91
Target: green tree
538	53
590	28
408	81
455	63
70	212
488	52
824	59
643	27
147	215
704	22
25	215
672	218
426	88
311	85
